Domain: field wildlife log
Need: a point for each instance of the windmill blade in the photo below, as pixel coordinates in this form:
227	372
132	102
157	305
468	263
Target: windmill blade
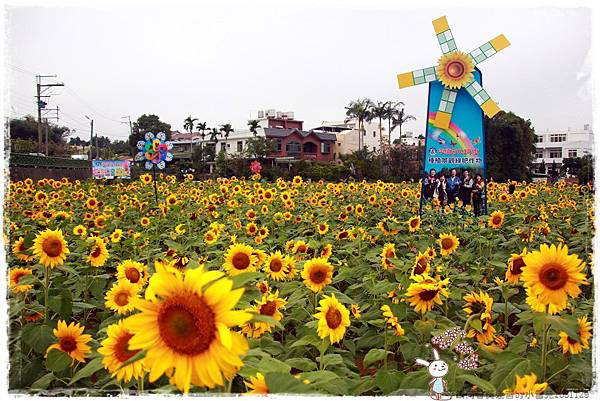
444	35
483	99
444	113
417	77
488	49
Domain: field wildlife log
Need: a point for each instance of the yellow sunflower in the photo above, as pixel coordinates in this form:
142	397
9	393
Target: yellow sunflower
448	244
414	223
355	310
550	276
322	228
572	346
16	275
421	266
115	351
300	247
496	219
275	266
50	247
480	305
333	319
269	305
257	385
80	230
455	69
116	236
184	325
317	274
121	297
19	250
71	340
134	272
526	385
98	254
392	320
515	267
240	258
426	292
388	252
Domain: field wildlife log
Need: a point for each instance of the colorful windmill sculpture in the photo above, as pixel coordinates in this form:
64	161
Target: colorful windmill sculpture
154	150
455	72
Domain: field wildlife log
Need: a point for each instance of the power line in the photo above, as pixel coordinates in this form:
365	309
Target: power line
95	110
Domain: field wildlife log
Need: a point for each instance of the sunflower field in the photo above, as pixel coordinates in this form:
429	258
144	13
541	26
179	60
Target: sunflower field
242	286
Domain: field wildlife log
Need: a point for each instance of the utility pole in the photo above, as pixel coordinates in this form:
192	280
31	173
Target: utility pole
41	87
46	124
91	136
130	132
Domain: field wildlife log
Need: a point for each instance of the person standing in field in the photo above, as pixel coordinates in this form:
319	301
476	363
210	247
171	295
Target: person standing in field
478	195
454	183
466	188
429	185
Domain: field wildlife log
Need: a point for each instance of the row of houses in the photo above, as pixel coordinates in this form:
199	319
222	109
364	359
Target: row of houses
327	142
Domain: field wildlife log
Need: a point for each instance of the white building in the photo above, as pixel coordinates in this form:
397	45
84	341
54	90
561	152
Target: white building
554	146
233	144
348	136
410	138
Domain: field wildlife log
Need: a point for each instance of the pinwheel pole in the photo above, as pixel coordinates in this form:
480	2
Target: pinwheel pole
155	152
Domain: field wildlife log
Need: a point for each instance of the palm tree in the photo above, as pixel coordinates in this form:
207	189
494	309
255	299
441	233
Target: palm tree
213	136
400	118
188	124
361	111
390	111
226	130
253	124
202	127
379	111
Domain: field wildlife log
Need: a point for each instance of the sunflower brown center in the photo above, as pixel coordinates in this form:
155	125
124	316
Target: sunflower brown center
496	220
517	266
18	276
447	243
240	261
122	298
133	275
343	234
96	252
68	344
334	318
275	265
428	295
553	277
414	223
269	308
318	275
52	247
302	248
186	324
122	351
421	266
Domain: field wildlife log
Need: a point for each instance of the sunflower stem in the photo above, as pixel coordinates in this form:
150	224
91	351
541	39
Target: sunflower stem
505	316
545	350
46	288
385	346
141	385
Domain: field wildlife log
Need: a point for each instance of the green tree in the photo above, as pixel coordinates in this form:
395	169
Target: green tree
147	123
359	110
509	147
188	124
399	117
27	128
253	125
259	147
380	111
542	169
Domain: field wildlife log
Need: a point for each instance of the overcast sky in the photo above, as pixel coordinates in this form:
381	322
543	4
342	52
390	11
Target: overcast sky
222	61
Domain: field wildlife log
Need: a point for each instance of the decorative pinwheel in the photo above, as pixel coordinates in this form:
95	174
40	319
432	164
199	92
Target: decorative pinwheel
154	150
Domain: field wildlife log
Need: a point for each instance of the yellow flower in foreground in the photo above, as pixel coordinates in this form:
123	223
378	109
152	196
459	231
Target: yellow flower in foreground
98	254
426	292
551	276
496	219
80	230
121	297
515	267
448	244
317	274
572	346
71	340
240	258
184	325
275	266
333	319
414	223
257	385
51	248
526	385
355	309
134	272
115	349
18	249
269	305
16	275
